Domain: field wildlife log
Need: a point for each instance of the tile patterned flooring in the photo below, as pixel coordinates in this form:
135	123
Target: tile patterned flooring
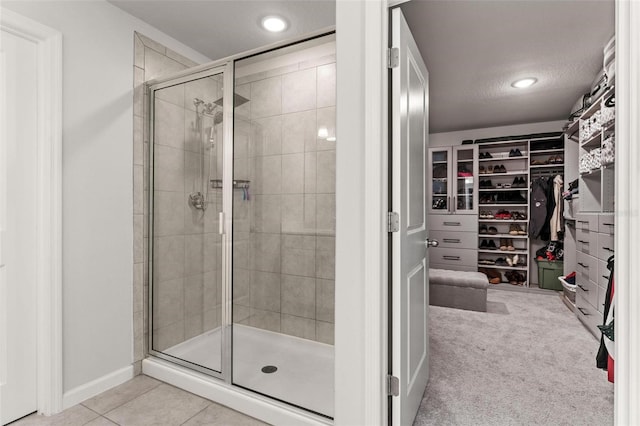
144	401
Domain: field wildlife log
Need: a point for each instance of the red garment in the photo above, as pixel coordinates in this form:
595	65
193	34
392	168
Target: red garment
609	359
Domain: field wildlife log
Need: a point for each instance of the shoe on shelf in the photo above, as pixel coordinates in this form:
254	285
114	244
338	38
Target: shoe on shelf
483	244
501	262
503	244
490	169
520	230
513	230
483	229
491	245
493	230
482	170
510	246
517	153
495	280
512	152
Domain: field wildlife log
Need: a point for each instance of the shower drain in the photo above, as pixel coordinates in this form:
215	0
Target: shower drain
269	369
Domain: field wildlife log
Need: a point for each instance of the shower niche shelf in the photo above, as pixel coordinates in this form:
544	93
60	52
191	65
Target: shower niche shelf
237	184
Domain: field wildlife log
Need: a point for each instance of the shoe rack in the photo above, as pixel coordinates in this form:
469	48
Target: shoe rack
503	243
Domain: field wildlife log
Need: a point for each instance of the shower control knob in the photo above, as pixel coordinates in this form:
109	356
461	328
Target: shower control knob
431	243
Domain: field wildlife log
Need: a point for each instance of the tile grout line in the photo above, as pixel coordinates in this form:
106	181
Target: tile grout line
129	400
207	406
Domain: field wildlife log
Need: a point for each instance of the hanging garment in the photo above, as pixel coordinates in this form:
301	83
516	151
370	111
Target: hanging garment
538	209
604	360
545	232
555	222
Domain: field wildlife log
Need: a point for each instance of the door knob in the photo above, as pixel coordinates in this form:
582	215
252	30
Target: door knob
431	243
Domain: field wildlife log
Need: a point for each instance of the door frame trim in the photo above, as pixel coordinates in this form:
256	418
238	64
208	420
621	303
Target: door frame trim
627	344
49	205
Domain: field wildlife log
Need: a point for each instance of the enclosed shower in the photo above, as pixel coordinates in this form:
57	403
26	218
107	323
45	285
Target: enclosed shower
242	222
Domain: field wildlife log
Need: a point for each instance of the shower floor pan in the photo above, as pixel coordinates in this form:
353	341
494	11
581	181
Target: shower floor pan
304	368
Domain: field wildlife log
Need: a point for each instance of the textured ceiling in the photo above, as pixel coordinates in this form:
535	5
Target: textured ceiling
473	49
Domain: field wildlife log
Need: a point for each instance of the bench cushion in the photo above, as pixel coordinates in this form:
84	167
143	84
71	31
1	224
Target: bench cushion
458	278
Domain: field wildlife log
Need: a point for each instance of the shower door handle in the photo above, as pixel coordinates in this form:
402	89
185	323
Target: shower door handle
221	223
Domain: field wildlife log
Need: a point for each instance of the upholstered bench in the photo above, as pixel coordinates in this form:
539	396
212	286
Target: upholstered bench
458	289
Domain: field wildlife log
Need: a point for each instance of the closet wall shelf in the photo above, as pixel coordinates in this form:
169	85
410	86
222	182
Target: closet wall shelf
593	142
502	189
547	151
547	166
503	220
488	236
504	205
522	157
515	268
512	173
525	252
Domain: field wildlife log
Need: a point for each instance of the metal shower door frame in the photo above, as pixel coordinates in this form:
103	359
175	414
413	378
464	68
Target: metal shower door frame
225	68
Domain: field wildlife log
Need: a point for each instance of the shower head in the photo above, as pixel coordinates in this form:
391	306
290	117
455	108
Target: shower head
217	119
237	100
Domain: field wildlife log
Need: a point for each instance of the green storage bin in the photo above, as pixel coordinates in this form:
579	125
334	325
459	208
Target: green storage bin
548	273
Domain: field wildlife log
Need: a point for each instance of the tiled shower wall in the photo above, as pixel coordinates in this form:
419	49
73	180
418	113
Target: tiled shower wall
284	254
151	60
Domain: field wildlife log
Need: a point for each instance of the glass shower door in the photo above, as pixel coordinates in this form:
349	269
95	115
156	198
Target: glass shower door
186	273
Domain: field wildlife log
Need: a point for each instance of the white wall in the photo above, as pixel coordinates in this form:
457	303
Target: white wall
456	138
97	179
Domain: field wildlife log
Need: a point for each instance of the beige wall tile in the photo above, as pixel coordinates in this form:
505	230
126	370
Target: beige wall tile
138	51
298	296
310	172
325	300
299	91
267	136
138	141
138	287
172	94
265	291
299	132
326	172
194	254
293	241
265	320
293	173
138	190
168	258
168	124
138	238
158	65
324	332
326	85
241	286
194	295
326	118
268	175
266	97
194	219
266	213
326	212
168	211
166	337
299	327
293	213
325	264
168	169
168	302
193	325
299	262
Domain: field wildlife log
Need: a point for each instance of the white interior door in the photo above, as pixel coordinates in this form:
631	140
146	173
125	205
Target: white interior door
18	136
410	282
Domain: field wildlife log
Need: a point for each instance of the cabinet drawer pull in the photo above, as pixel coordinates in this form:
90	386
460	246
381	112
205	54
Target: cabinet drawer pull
451	257
583	242
608	249
451	223
583	312
583	265
451	240
583	289
609	224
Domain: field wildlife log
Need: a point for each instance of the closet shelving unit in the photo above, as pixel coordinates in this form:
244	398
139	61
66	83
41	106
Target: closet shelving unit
593	229
516	168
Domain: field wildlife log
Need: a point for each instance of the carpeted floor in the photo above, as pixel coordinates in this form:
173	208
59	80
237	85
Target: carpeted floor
527	361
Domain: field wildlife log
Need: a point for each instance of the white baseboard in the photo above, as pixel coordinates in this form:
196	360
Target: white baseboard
246	402
89	390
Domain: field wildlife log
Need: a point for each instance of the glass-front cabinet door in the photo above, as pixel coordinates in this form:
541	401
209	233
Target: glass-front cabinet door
465	186
439	187
453	186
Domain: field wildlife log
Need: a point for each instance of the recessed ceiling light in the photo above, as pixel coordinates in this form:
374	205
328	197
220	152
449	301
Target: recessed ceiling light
524	82
273	23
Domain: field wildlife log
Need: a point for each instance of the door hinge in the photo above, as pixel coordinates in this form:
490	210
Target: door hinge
393	57
393	385
393	222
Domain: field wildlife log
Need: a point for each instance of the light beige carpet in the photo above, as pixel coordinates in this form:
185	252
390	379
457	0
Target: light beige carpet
528	361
